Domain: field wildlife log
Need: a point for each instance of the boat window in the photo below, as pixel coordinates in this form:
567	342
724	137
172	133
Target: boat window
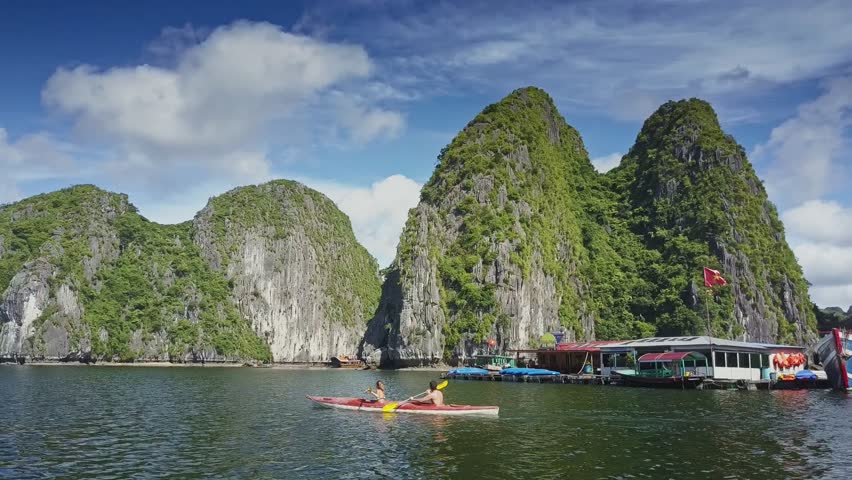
744	360
731	360
764	360
755	360
720	359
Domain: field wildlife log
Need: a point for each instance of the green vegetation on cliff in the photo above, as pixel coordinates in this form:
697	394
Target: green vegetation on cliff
515	191
130	276
547	203
833	317
689	193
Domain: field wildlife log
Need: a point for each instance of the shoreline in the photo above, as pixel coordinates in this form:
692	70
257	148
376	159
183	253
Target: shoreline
274	366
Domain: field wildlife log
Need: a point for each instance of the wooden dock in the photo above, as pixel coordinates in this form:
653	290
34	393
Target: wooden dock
707	384
568	379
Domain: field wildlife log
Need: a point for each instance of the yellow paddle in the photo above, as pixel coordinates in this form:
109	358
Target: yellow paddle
393	406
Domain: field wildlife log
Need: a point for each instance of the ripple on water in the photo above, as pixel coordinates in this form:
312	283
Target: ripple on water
239	423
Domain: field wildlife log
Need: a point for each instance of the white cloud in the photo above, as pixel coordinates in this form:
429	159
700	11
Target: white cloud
216	109
490	53
832	296
824	264
366	125
30	158
803	153
607	162
8	191
820	221
821	236
377	212
603	54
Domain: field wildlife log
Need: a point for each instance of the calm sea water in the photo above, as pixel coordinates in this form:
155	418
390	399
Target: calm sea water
98	422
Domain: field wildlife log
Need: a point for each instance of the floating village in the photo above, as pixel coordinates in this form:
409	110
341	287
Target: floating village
688	362
685	362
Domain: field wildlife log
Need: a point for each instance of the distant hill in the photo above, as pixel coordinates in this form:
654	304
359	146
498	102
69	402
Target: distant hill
833	317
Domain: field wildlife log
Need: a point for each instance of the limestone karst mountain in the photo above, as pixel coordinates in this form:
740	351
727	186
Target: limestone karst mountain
516	235
269	272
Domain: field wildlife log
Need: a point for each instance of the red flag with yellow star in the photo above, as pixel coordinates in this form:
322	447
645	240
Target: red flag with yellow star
712	278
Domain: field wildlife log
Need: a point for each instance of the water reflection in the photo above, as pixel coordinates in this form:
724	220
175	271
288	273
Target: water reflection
238	423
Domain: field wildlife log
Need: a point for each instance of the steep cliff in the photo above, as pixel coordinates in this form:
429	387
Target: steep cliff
689	192
83	275
296	270
516	235
499	245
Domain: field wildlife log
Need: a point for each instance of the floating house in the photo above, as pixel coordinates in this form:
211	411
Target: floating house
709	357
572	358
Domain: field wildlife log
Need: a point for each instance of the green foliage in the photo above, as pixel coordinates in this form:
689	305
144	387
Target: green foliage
829	318
157	278
511	147
626	247
688	192
41	221
153	280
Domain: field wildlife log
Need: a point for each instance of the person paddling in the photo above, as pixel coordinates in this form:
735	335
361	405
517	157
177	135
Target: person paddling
379	392
434	396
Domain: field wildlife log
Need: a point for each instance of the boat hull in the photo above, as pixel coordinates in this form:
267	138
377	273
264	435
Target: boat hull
347	362
664	382
831	354
363	405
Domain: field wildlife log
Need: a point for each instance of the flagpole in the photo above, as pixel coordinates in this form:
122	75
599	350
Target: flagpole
707	310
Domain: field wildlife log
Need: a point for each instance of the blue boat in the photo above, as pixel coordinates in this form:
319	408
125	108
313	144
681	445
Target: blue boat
468	371
530	372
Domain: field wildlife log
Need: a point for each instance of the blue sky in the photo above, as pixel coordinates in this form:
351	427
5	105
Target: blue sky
173	102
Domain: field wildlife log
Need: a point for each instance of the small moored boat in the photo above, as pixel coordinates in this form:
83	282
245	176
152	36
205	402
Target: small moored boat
631	379
346	361
349	403
835	355
666	370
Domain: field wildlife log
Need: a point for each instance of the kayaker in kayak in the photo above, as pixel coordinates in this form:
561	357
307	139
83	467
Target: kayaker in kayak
379	392
434	396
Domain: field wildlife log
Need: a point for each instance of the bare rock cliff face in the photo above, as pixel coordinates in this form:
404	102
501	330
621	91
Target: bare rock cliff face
296	271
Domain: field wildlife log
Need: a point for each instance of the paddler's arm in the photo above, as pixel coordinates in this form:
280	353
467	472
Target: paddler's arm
424	400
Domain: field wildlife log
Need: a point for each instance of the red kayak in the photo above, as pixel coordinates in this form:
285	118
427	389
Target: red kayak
348	403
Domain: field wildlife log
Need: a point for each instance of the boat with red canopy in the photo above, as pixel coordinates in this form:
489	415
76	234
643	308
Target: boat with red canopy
666	369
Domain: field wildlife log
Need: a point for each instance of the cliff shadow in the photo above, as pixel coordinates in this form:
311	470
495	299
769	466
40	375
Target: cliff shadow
385	320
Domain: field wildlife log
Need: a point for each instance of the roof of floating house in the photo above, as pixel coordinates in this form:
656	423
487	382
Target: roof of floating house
580	347
671	356
674	343
593	347
699	341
